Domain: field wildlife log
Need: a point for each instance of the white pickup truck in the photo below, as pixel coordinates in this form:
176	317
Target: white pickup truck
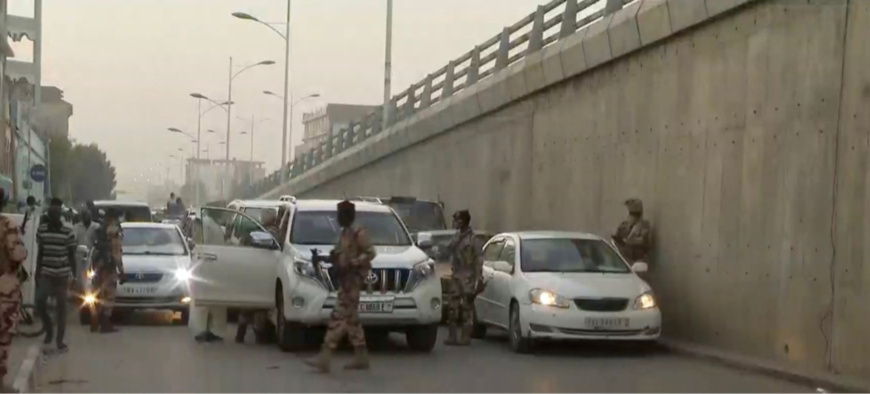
245	267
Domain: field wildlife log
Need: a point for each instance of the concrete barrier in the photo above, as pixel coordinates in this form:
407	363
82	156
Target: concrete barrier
28	375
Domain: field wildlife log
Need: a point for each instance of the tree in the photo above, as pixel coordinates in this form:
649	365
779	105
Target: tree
80	172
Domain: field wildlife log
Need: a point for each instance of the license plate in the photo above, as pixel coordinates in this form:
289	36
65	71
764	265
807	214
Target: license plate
140	290
375	307
606	323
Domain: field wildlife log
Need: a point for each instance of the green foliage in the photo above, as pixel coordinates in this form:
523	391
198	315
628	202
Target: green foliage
80	172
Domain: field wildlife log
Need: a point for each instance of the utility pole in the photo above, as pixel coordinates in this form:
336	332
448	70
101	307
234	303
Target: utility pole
229	118
387	65
287	135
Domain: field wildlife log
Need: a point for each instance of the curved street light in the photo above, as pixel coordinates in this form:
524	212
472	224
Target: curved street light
286	37
292	105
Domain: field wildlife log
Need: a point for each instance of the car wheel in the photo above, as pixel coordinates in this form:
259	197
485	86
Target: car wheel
85	316
291	337
478	329
519	343
422	338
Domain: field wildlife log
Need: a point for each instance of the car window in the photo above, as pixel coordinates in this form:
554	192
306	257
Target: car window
492	251
571	255
242	229
216	226
153	241
257	213
321	228
508	253
420	215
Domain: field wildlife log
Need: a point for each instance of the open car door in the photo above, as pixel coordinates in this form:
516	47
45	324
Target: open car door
236	259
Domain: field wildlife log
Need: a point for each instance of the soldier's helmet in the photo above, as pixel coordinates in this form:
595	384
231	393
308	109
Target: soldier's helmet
634	205
462	215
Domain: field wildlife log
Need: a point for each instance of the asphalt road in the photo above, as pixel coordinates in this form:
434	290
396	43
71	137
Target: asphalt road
152	355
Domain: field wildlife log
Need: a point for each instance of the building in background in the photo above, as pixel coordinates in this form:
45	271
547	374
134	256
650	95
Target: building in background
332	118
6	152
54	113
217	181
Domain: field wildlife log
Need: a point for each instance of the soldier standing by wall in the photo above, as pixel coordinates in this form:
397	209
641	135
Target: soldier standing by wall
108	270
467	265
12	255
354	262
634	235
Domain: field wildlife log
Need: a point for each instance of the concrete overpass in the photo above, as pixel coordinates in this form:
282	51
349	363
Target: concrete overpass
742	124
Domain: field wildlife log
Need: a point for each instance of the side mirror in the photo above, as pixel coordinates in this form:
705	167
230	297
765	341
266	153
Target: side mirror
640	267
263	240
424	240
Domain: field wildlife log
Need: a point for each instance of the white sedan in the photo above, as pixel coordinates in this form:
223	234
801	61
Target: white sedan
157	263
561	285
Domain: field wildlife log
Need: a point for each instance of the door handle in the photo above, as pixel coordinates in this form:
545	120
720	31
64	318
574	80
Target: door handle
207	256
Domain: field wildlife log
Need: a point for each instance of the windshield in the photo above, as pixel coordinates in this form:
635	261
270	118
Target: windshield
420	215
321	228
158	241
570	255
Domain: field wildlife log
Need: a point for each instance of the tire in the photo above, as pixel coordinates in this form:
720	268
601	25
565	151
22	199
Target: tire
478	330
29	325
519	344
422	338
85	316
291	337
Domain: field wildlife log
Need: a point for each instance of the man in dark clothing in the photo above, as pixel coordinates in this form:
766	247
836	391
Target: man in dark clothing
55	265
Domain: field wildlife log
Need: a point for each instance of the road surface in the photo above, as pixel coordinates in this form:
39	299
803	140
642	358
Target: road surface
152	355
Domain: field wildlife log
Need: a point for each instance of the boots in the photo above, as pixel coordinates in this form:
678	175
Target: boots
321	362
360	360
95	320
240	333
451	336
106	326
465	335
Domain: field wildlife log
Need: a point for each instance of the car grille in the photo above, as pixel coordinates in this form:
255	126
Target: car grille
144	277
602	304
386	280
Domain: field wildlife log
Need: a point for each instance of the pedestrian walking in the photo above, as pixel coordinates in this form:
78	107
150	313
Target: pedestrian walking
466	279
108	271
353	260
55	265
12	255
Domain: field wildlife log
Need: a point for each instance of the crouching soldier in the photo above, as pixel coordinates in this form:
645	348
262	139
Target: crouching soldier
108	271
467	279
633	237
353	262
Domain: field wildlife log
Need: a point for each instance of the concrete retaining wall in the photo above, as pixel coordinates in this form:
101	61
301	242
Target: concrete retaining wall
742	124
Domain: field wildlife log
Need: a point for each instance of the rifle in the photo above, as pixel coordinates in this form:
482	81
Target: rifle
317	260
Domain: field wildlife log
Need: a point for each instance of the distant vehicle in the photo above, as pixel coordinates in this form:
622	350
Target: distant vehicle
157	261
418	215
562	285
131	211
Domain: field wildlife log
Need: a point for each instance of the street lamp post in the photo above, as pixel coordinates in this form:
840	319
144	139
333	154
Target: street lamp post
286	36
200	113
388	64
292	105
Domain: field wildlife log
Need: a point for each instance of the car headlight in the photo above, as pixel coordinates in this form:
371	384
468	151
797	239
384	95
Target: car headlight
305	268
90	274
425	268
182	275
645	301
548	298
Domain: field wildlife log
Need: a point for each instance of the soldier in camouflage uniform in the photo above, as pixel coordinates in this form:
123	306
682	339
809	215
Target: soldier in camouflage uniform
634	235
466	280
353	260
12	255
108	271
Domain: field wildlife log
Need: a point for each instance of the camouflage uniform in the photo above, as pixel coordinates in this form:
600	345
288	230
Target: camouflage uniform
106	277
354	256
12	254
634	235
467	265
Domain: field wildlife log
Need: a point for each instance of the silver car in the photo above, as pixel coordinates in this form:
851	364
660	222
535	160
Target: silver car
157	264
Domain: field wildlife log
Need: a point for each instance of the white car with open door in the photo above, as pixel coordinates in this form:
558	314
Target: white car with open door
561	285
245	267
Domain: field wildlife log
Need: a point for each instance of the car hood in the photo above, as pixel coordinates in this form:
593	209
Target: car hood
154	263
387	256
578	285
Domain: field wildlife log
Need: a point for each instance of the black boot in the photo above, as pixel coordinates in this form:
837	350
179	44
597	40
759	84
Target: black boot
240	333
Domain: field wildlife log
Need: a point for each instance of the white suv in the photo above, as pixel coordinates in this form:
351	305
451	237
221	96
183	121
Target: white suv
245	267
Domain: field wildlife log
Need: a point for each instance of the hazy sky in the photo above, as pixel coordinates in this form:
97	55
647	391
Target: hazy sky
128	66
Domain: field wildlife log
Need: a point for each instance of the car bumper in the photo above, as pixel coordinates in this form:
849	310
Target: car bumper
542	322
311	305
164	297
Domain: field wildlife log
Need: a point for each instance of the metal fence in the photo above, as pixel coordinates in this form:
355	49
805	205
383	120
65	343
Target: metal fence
549	23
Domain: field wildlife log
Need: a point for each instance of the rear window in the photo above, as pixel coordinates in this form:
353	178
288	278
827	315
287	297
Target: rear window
321	228
420	215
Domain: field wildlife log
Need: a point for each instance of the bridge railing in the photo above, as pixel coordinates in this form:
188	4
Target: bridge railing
549	23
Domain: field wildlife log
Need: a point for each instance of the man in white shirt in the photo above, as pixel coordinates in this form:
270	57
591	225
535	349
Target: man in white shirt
85	231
